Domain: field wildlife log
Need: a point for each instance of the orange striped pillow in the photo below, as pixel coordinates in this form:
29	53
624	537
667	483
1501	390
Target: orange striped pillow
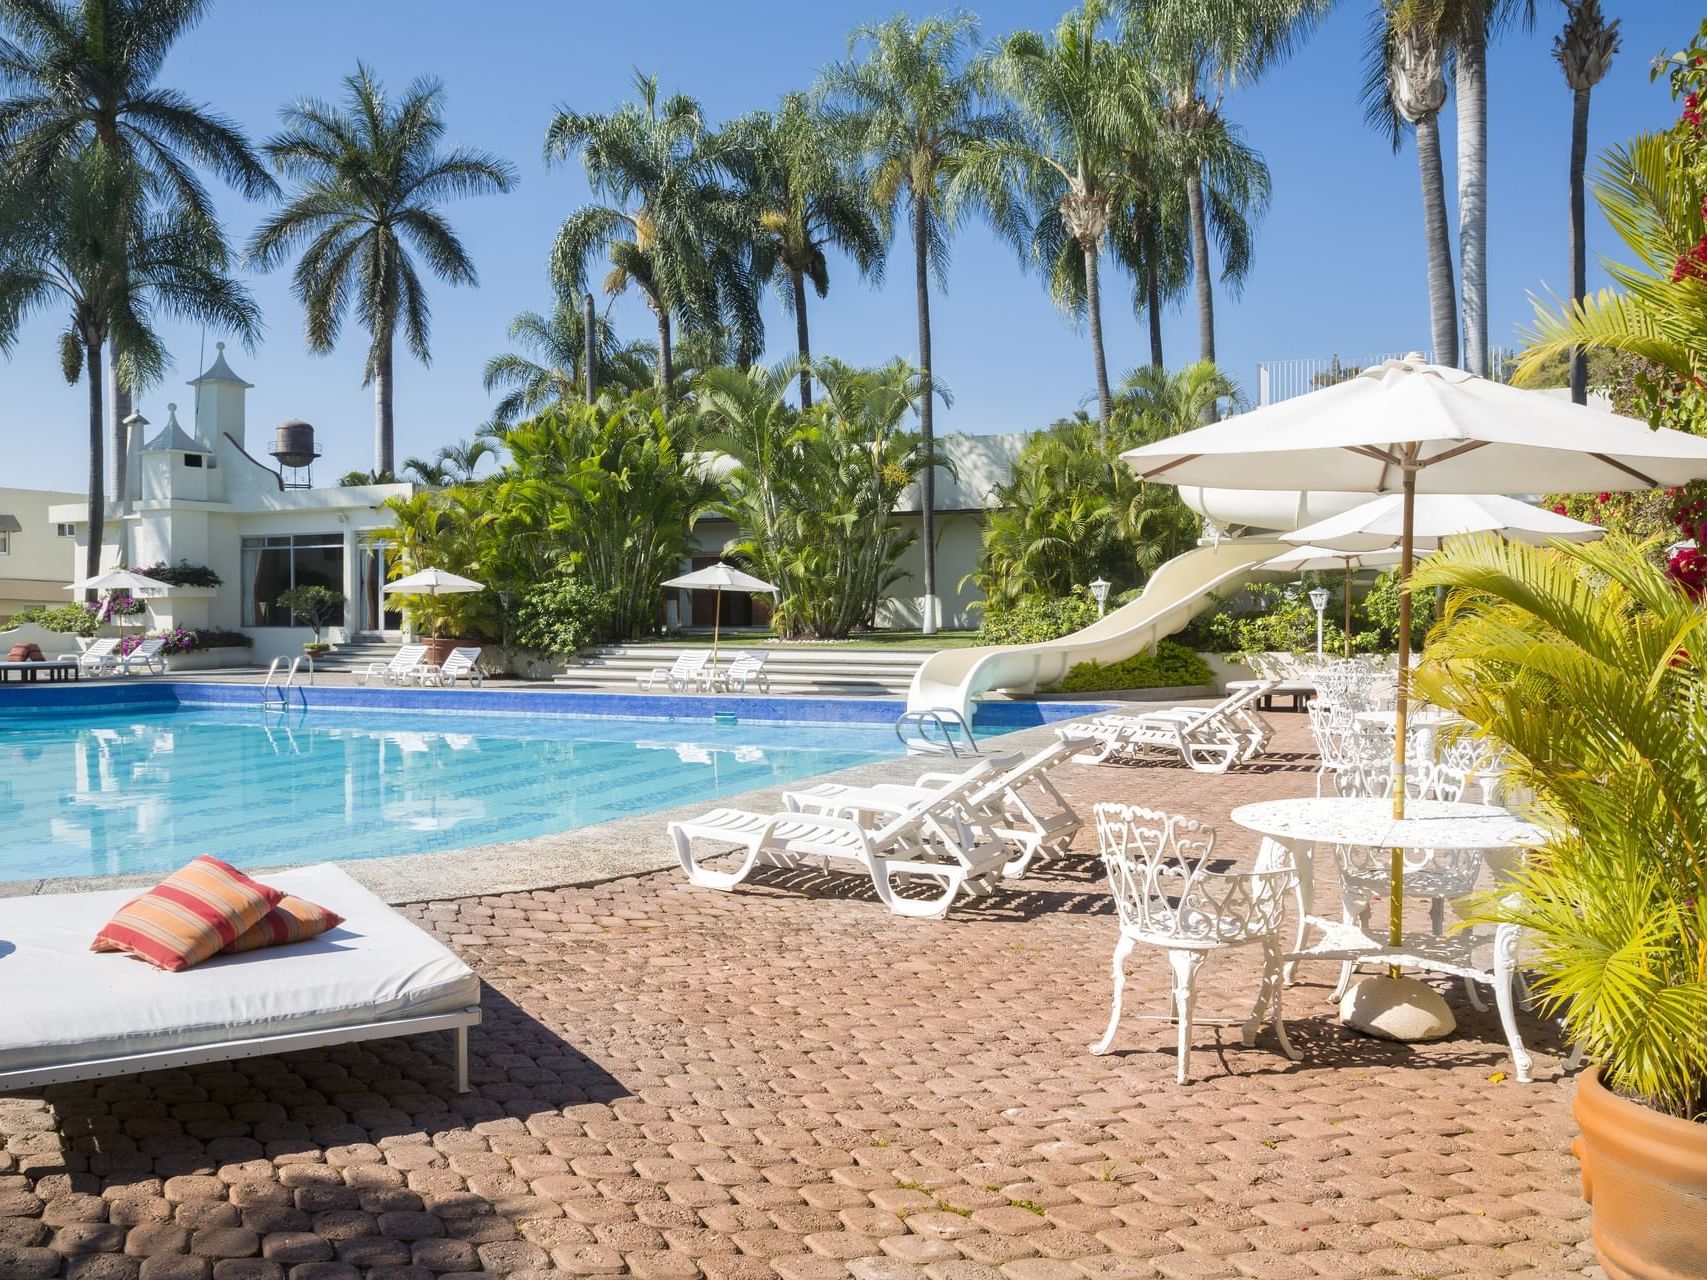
292	920
188	916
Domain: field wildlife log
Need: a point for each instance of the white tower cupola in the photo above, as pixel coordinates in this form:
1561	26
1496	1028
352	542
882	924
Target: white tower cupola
220	403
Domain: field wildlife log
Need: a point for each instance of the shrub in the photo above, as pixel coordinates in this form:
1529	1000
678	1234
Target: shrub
66	619
1171	666
562	614
314	606
182	574
1036	621
189	640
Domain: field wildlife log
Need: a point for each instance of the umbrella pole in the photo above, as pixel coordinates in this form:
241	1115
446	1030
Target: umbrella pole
1396	873
716	625
1348	608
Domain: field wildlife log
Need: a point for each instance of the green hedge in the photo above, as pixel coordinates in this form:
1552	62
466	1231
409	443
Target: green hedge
1037	621
1171	666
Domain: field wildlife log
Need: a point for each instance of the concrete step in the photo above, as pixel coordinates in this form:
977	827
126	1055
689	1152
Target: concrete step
802	669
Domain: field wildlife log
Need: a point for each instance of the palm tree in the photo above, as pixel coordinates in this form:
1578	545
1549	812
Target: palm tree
1584	49
84	75
914	100
1078	97
81	239
1198	50
673	227
1150	232
808	195
369	179
1406	84
551	365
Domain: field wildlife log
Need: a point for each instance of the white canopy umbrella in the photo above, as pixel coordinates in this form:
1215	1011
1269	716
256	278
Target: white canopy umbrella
1311	559
1441	515
718	577
1404	426
120	580
431	582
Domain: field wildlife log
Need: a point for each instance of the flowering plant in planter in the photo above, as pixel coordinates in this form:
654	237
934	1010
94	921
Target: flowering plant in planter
190	640
114	605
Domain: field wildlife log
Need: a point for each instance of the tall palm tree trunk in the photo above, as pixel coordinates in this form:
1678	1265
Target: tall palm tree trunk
384	430
122	407
1200	274
927	475
1471	85
802	337
1442	305
1579	241
1153	305
97	500
1093	313
666	361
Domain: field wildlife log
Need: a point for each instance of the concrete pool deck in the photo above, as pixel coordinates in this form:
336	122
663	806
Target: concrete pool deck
583	855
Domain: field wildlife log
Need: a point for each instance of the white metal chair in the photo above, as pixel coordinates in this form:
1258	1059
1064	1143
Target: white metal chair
401	667
926	840
1167	897
462	662
680	676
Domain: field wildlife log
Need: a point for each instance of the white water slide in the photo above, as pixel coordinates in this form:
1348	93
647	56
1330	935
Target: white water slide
1176	593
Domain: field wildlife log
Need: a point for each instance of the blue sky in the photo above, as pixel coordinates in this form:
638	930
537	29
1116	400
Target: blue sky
1339	259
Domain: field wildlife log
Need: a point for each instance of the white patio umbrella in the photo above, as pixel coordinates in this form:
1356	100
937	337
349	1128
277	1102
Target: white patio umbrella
1438	516
1404	426
431	582
718	577
1312	559
122	580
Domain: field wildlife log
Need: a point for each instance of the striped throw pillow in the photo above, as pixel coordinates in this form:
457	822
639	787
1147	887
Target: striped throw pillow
190	915
292	920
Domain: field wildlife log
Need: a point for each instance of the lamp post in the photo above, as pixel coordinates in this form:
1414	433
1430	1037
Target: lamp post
1319	602
1099	593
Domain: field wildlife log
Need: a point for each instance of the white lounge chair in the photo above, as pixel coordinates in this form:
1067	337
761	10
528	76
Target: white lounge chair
376	975
150	655
1020	805
403	665
680	676
743	669
461	662
99	658
1208	739
927	839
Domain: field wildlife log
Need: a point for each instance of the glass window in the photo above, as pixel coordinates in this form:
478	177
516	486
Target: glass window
273	565
5	543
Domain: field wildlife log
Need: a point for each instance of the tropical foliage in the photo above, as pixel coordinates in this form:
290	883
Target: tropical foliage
813	491
1582	665
561	615
1653	190
369	178
551	364
1167	666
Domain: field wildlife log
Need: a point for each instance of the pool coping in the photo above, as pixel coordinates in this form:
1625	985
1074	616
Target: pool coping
582	855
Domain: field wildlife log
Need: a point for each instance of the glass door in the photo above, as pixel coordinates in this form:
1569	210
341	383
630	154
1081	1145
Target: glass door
374	616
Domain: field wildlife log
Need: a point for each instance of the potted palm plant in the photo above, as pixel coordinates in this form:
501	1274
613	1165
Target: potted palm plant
1584	665
316	607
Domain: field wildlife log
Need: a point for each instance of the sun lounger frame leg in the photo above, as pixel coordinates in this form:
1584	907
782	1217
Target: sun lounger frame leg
462	1059
704	878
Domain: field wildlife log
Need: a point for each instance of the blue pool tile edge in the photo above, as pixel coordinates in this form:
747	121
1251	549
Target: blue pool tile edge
155	694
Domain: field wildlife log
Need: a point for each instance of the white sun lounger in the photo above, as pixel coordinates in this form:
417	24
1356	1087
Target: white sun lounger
403	665
463	662
148	656
1020	805
1208	739
680	676
99	658
928	840
743	669
74	1014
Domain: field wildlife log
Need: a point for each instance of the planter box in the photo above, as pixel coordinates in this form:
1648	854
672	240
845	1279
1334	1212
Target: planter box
210	659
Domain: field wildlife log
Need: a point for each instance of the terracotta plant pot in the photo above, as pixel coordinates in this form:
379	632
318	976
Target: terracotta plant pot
1646	1176
438	648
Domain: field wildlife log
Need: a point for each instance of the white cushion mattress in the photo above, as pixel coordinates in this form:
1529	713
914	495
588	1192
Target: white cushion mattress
61	1003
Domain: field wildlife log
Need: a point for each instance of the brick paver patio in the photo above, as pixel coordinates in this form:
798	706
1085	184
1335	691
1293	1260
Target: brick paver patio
787	1081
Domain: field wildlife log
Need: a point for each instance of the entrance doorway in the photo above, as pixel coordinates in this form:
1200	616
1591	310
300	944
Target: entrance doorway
373	613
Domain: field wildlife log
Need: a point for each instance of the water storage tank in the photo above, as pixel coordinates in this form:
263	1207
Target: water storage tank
293	444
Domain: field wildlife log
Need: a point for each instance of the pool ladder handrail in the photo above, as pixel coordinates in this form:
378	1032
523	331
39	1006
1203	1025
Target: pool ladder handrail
945	720
283	686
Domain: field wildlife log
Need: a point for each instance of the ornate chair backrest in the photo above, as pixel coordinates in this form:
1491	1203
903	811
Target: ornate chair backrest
1137	852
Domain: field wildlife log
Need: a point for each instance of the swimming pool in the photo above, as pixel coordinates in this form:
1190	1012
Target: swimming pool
90	787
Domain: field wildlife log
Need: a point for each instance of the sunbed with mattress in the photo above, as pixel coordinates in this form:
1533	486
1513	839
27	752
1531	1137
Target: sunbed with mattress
67	1013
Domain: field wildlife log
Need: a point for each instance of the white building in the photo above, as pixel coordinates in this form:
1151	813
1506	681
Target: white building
204	498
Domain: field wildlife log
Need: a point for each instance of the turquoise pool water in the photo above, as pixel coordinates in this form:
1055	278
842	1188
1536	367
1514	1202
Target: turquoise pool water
104	791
